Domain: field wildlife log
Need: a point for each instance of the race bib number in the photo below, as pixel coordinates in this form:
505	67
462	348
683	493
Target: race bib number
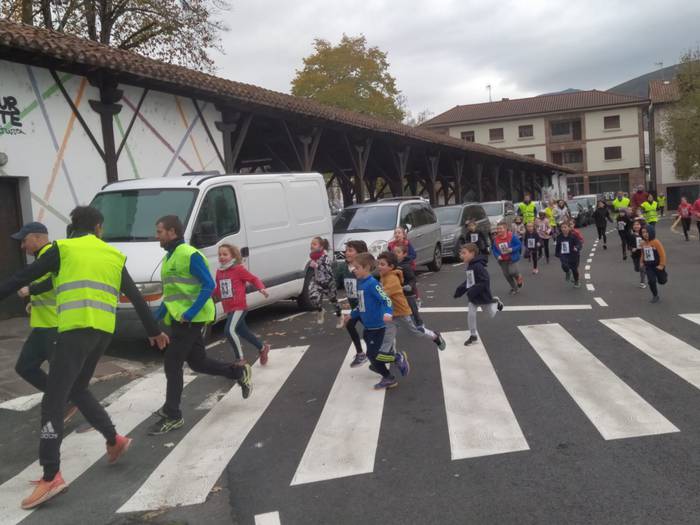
350	286
226	289
503	246
470	278
565	248
648	253
361	301
531	243
639	242
474	237
621	225
685	212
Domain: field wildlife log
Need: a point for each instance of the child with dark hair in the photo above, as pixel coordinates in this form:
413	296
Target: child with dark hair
477	237
322	284
568	250
409	283
654	259
635	241
532	243
544	228
345	278
601	216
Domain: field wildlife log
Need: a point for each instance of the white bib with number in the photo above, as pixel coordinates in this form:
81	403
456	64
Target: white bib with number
474	237
621	225
470	278
225	289
503	246
531	243
639	242
648	253
350	286
565	247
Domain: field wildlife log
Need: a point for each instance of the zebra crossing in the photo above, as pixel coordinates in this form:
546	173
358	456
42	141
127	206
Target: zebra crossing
480	419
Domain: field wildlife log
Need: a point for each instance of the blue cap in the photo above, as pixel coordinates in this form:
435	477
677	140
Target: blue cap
31	227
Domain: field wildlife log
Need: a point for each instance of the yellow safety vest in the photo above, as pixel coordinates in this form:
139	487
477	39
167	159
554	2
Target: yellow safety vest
528	211
87	284
43	314
621	203
649	210
181	288
550	215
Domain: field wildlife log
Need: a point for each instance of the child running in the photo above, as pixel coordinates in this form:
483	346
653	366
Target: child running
623	229
654	259
346	279
568	249
392	282
323	283
601	216
373	307
518	227
231	279
635	245
532	245
685	212
506	248
401	239
476	237
543	225
477	286
409	283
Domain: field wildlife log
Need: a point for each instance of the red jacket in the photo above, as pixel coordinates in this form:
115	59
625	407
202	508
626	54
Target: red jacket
696	208
230	287
685	210
638	197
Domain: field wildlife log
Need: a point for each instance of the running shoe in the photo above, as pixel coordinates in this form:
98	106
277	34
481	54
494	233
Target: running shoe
500	304
472	339
513	292
440	341
165	425
655	299
386	383
44	491
642	285
114	452
264	354
535	271
71	410
402	363
245	381
321	316
359	360
520	281
605	247
577	284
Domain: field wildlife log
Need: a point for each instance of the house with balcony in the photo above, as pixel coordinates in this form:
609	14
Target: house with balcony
599	134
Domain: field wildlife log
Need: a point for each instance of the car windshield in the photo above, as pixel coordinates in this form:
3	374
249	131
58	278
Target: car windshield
573	204
493	208
131	215
366	219
448	215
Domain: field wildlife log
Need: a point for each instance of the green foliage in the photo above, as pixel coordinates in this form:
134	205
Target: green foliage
681	128
351	76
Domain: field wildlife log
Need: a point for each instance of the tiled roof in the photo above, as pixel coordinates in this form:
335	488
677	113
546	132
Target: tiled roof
45	45
661	91
534	105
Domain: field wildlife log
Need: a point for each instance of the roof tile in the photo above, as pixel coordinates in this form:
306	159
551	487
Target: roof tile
662	91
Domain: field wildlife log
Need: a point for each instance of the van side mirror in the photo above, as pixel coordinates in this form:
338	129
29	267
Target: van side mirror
205	235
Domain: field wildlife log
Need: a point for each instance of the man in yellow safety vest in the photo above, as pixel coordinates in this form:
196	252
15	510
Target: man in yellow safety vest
88	276
527	209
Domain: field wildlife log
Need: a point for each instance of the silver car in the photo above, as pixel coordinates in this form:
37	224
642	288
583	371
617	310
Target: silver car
453	225
499	211
375	222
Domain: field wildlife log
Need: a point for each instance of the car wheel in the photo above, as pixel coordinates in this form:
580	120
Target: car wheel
303	301
436	263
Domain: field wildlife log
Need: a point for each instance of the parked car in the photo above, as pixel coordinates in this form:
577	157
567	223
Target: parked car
215	209
589	202
375	222
579	213
453	225
499	211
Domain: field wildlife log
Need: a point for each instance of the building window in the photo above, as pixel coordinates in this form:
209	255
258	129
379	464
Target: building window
496	134
613	153
611	122
574	186
609	184
563	130
525	131
467	136
567	157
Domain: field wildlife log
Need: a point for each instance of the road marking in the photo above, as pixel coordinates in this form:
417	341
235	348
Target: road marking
215	343
22	403
590	287
294	316
80	451
425	274
695	318
587	267
522	308
480	420
610	404
589	260
270	518
587	276
211	400
600	301
344	442
669	351
458	264
206	450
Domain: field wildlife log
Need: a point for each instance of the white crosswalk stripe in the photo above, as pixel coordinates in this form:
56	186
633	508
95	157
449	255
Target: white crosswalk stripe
695	318
612	406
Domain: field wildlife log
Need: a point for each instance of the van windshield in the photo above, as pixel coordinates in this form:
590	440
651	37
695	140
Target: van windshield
366	219
493	209
131	215
448	215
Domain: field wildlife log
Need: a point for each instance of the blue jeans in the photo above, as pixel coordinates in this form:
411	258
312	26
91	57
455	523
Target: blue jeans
236	327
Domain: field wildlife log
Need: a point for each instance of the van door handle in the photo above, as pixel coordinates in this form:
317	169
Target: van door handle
245	252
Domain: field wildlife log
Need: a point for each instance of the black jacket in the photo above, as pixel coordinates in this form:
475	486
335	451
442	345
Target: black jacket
480	291
409	277
601	216
482	242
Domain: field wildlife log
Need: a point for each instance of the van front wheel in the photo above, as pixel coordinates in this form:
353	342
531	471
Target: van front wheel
436	263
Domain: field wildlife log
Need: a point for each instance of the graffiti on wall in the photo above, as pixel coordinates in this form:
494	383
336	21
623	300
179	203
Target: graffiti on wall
10	117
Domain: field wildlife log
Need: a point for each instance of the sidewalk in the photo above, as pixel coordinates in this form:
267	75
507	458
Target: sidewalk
13	332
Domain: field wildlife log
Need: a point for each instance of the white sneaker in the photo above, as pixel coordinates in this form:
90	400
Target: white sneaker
321	316
642	285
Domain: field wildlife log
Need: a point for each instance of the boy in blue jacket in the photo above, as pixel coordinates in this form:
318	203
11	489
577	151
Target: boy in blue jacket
373	309
568	249
477	286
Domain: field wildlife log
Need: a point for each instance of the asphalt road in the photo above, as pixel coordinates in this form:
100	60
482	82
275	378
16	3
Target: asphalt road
570	422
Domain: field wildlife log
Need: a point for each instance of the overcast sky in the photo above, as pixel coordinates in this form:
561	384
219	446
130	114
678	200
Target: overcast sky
444	52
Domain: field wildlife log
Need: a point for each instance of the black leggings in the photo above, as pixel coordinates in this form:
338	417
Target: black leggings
571	266
686	227
601	233
545	248
623	238
354	336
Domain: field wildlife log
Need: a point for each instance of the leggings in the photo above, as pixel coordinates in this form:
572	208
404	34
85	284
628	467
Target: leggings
686	226
236	327
571	266
406	323
651	278
373	339
544	248
510	272
623	240
601	233
354	335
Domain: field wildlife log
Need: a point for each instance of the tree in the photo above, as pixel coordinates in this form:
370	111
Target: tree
415	121
175	31
351	76
681	127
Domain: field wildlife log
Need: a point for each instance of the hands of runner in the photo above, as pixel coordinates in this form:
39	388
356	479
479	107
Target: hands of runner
265	293
23	292
388	318
161	341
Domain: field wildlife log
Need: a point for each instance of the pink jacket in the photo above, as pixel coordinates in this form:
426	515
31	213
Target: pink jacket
230	287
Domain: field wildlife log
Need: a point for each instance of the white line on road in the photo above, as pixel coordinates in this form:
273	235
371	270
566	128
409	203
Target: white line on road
695	318
23	403
215	343
80	451
269	518
344	442
589	260
425	274
590	287
587	267
480	420
209	446
600	301
294	316
522	308
458	264
587	276
676	355
610	404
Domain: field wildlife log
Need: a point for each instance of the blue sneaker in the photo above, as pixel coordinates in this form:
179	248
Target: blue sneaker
386	383
402	363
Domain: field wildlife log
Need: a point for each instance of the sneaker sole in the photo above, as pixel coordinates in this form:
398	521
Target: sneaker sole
112	461
46	497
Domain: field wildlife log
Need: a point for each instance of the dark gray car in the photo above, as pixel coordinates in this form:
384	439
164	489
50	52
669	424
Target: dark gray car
453	225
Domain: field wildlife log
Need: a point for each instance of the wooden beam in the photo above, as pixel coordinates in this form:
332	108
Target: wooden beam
240	138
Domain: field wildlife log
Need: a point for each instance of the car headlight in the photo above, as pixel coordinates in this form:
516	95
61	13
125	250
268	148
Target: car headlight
449	237
378	247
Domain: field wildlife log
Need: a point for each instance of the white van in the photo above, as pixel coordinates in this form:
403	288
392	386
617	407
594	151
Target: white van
270	217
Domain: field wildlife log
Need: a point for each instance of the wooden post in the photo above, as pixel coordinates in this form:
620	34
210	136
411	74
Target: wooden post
510	184
458	171
433	161
107	108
